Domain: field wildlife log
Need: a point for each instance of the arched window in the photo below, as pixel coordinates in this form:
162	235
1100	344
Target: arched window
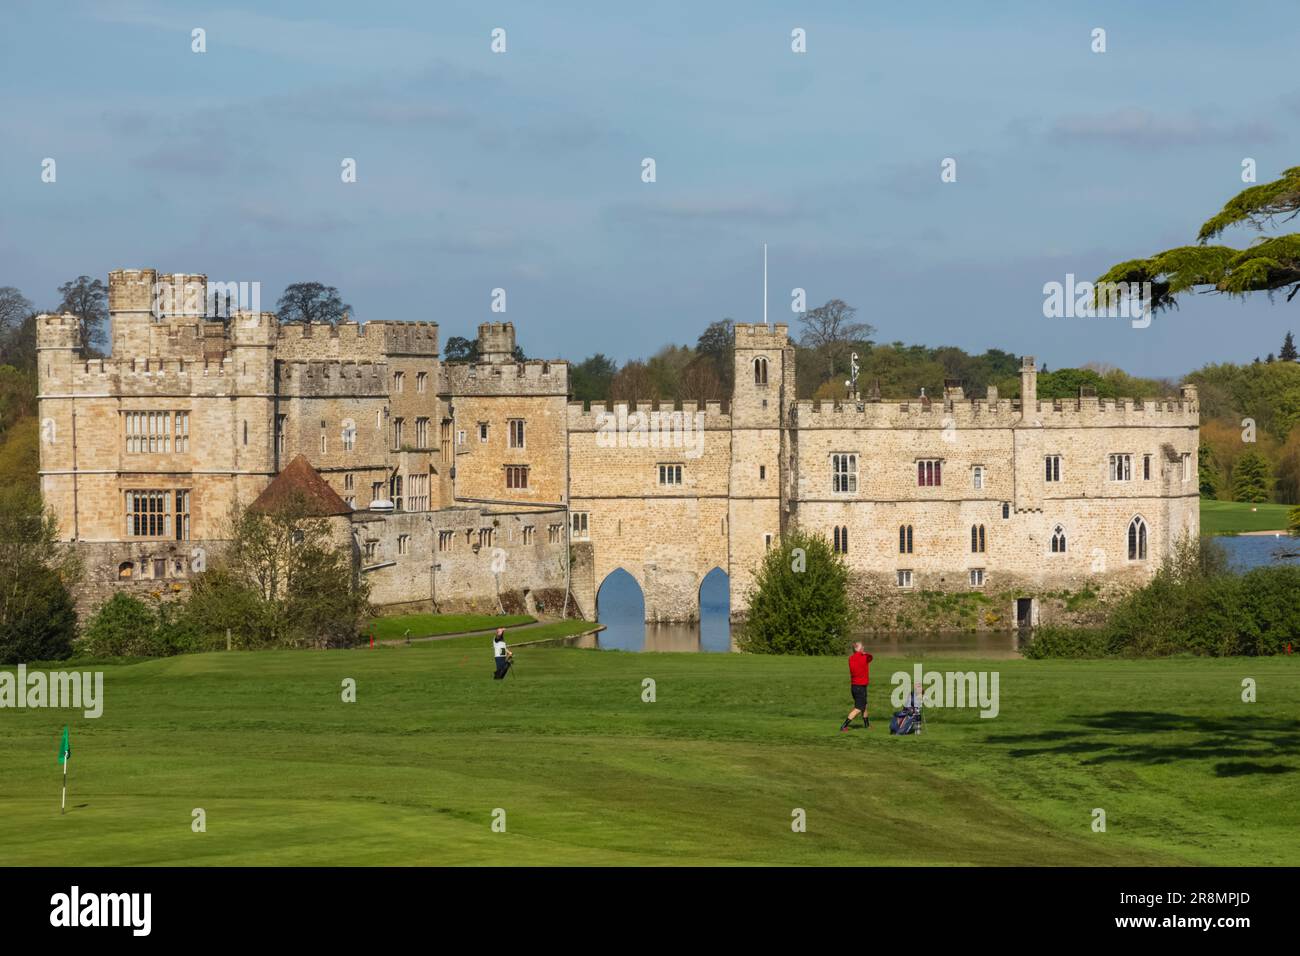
905	539
1137	539
125	570
841	540
1058	540
760	371
977	538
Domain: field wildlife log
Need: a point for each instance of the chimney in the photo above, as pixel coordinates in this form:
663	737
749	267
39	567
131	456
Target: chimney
1028	384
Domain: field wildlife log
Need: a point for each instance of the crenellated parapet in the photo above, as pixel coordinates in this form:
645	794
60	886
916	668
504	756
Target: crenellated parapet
651	414
333	379
1082	412
353	341
533	377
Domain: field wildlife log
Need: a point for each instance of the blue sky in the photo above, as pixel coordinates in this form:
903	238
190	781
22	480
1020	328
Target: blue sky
522	170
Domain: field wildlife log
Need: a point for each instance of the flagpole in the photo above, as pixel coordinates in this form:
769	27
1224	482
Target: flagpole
63	806
765	283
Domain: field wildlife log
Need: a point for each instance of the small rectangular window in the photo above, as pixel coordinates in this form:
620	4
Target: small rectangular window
1052	468
904	579
578	526
516	433
977	577
670	474
977	477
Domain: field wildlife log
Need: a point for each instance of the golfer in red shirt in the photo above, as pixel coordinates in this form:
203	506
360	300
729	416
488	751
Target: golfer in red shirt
859	678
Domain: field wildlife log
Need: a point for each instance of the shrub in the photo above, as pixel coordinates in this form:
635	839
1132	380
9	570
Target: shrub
123	626
800	602
1067	642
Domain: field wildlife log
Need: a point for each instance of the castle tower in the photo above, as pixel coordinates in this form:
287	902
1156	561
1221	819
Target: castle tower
130	310
496	342
764	389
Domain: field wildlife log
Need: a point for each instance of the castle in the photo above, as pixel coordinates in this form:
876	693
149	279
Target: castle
481	486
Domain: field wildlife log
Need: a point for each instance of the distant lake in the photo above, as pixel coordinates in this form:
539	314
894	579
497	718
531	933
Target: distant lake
1246	551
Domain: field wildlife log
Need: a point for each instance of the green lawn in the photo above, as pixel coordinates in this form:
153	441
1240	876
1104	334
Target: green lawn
1229	517
431	625
708	774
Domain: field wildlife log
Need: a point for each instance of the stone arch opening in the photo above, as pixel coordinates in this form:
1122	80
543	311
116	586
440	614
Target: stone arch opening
620	606
715	611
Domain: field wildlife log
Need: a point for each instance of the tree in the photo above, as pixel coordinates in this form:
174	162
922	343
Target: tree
459	349
830	330
38	619
311	302
1251	479
283	581
87	299
18	346
1293	521
800	602
700	383
633	383
717	345
1288	353
1268	265
590	379
14	307
1208	480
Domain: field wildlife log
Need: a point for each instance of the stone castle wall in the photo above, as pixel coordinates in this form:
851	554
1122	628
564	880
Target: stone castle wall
665	493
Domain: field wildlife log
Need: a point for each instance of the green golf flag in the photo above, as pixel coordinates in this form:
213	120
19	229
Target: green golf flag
65	748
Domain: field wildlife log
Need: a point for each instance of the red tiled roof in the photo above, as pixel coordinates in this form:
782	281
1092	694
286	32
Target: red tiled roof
301	481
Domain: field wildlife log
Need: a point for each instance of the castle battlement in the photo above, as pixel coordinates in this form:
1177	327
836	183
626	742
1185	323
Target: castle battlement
515	378
1086	411
325	378
582	418
297	341
759	336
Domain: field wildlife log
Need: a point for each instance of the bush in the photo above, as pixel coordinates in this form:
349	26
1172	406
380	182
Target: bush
800	603
125	626
1192	606
122	627
1067	642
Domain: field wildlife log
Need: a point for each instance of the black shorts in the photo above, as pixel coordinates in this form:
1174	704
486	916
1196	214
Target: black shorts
859	696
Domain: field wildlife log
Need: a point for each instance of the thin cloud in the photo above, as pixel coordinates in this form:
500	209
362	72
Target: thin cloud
1146	130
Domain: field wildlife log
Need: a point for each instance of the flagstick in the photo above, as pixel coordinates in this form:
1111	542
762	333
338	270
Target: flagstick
63	806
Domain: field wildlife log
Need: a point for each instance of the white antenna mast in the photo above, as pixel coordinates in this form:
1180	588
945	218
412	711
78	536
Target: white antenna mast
765	283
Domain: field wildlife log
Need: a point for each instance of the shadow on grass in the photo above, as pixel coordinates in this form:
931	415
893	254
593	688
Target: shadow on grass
1160	738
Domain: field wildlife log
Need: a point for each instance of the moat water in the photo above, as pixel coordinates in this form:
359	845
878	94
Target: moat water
622	611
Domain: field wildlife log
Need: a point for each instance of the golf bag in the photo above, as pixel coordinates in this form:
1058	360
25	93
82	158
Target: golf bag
904	722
